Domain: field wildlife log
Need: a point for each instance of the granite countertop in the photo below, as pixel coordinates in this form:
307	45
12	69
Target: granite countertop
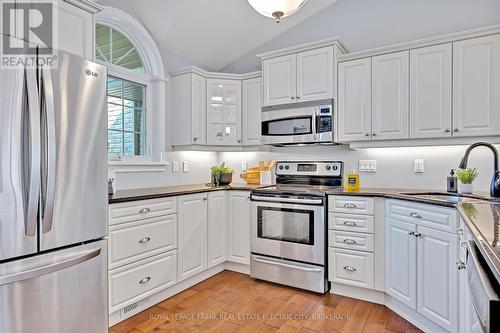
169	191
480	212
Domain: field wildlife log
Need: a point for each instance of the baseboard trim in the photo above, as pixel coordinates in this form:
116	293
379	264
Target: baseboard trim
363	294
237	267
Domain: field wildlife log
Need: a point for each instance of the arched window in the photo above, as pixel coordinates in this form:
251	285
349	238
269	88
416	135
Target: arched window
136	81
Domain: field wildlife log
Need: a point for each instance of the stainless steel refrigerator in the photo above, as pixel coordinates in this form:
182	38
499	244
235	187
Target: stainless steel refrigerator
53	198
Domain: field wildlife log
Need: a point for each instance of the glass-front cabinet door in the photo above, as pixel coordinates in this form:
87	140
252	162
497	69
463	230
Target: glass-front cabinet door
224	112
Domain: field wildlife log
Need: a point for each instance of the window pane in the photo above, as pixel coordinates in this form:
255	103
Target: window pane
115	48
126	117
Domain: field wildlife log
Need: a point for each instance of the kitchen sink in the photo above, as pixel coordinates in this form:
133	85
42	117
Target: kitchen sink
447	197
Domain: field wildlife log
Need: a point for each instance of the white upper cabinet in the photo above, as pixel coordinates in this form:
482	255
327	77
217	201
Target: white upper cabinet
390	111
224	112
354	117
192	235
430	92
252	108
216	228
299	77
315	74
189	101
280	80
476	86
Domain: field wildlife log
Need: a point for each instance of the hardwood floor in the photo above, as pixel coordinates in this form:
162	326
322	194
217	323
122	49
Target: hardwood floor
233	302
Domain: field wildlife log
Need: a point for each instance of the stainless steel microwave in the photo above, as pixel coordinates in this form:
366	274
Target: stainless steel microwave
298	123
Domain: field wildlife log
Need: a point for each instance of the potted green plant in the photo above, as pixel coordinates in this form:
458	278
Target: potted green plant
221	175
466	177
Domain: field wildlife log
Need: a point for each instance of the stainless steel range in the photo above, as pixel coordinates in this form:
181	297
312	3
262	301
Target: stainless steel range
288	232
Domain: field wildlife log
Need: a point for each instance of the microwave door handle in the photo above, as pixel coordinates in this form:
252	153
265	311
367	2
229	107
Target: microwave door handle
315	123
33	106
50	151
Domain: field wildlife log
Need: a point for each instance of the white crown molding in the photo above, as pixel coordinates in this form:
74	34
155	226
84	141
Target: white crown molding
305	47
87	5
215	75
448	38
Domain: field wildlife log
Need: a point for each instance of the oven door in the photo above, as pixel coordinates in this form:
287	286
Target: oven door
289	126
293	229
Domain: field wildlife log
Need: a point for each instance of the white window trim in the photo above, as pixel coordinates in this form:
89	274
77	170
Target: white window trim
154	80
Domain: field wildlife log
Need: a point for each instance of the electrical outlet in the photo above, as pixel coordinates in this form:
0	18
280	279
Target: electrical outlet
185	166
175	166
367	166
243	165
419	165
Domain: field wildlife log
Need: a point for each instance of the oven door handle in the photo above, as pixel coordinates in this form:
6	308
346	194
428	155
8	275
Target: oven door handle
288	200
305	269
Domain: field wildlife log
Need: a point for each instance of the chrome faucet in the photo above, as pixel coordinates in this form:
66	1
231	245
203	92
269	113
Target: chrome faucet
495	182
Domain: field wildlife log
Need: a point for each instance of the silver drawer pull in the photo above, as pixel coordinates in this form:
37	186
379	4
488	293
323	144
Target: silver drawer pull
145	280
349	241
350	224
350	205
144	210
416	215
145	240
350	268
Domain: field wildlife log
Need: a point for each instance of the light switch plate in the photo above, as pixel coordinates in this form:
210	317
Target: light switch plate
175	166
243	165
185	166
419	165
367	165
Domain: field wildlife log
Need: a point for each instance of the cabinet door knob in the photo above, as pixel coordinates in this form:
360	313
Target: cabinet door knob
205	199
298	97
461	265
292	97
367	134
447	130
456	129
195	139
350	268
411	233
239	141
374	134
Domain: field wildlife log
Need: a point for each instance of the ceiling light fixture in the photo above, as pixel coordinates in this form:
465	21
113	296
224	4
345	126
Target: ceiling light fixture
277	8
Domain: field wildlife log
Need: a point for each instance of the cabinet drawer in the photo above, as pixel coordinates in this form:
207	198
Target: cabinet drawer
137	240
142	209
131	283
351	222
431	216
351	204
351	240
350	267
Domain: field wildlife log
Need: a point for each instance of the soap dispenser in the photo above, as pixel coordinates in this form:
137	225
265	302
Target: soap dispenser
452	182
352	182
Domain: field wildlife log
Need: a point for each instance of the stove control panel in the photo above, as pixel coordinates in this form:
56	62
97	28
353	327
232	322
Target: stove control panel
308	168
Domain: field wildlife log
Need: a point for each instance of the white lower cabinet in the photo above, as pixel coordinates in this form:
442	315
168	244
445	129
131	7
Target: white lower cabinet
192	235
216	228
421	267
131	283
238	227
350	267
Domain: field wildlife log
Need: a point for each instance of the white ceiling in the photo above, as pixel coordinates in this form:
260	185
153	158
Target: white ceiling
212	33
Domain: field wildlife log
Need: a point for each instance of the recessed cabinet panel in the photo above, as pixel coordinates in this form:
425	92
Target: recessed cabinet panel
216	228
238	241
476	83
315	74
280	80
430	92
199	107
354	116
390	111
401	262
252	108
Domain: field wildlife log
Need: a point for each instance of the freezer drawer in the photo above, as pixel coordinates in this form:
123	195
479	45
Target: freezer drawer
58	292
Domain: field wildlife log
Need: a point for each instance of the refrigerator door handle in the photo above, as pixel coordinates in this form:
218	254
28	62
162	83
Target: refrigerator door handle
49	163
36	272
35	153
